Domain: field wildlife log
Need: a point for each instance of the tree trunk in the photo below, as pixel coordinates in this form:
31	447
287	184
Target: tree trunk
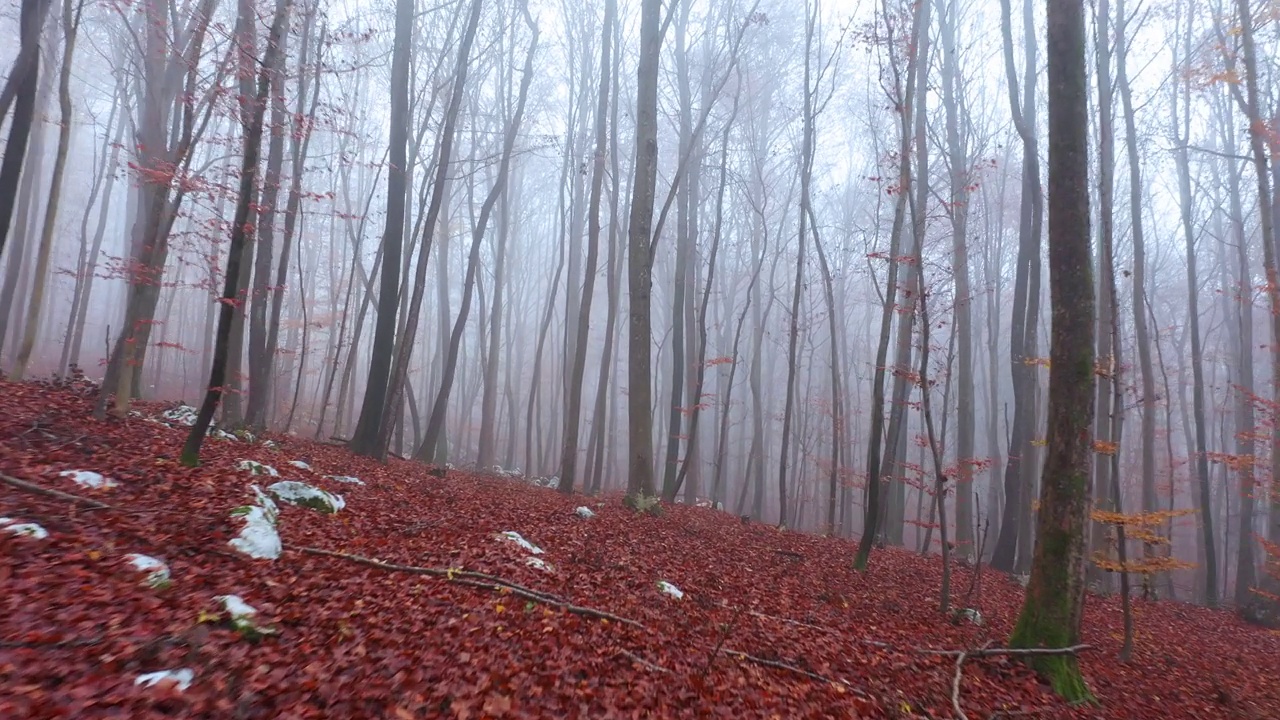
70	24
239	229
639	259
1051	616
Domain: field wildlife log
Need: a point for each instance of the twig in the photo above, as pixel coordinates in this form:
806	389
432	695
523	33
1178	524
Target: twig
788	621
641	661
58	494
955	688
724	635
792	668
473	579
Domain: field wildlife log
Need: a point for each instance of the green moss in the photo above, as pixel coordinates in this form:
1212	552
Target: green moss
1046	617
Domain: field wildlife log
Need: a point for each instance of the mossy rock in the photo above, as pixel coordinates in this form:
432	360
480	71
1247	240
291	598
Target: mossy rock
304	495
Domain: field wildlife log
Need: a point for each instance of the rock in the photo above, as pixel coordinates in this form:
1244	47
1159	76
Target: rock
300	464
181	678
670	589
258	538
539	564
517	538
157	571
88	479
584	512
253	467
304	495
31	530
182	415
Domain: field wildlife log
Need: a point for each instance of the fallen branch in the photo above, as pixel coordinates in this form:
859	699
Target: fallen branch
38	645
955	689
473	579
58	494
1013	652
962	655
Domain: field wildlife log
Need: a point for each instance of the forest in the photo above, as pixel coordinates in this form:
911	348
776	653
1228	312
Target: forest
643	358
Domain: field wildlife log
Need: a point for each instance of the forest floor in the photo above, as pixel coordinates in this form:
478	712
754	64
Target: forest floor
772	624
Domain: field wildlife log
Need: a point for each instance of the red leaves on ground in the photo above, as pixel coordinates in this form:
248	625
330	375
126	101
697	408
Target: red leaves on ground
773	623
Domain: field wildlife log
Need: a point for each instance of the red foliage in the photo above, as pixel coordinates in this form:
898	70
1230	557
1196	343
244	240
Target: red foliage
77	626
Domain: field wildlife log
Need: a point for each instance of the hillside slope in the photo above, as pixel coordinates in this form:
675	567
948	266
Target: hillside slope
771	624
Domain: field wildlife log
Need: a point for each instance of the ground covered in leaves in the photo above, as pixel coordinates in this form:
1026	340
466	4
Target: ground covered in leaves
771	624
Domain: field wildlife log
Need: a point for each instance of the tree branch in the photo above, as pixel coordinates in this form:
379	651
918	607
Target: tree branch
473	579
57	494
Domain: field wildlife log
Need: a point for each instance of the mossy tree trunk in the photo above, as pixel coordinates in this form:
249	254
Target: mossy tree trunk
1051	615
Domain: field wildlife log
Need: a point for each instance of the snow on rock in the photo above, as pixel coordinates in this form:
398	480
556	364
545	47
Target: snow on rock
300	464
270	444
345	479
517	538
971	615
552	482
670	589
221	434
258	538
242	615
503	472
88	479
253	467
181	678
31	530
584	512
539	564
156	569
304	495
182	415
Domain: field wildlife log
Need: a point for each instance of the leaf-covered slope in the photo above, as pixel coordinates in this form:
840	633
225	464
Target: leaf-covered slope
772	623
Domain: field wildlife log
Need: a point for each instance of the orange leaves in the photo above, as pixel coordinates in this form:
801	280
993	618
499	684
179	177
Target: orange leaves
1105	447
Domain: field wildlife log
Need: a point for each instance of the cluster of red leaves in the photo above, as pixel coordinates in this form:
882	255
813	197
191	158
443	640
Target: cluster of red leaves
77	625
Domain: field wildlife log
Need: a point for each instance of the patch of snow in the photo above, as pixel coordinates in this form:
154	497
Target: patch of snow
181	678
670	589
539	564
258	538
503	472
31	530
236	607
253	467
221	434
300	464
971	615
584	512
518	539
270	444
157	571
300	493
88	479
345	479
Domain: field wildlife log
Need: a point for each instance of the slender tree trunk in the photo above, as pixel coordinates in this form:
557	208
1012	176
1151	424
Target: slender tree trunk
71	10
435	424
239	230
573	398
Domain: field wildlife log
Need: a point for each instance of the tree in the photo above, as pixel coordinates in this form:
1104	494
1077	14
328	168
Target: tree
241	225
71	11
1052	613
573	404
640	257
364	441
19	89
